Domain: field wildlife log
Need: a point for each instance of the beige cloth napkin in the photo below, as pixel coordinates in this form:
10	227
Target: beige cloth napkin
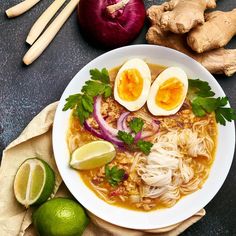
36	140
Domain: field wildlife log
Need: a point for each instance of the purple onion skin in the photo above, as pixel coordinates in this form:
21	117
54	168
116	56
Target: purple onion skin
110	31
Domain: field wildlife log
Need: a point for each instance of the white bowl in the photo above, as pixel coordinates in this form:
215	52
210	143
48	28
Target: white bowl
188	205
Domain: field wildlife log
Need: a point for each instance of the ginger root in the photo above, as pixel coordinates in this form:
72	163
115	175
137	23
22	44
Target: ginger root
217	61
182	15
216	32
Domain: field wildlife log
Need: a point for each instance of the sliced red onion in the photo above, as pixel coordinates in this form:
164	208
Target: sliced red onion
155	128
92	130
112	139
138	136
108	132
145	134
157	122
99	118
102	135
125	127
121	122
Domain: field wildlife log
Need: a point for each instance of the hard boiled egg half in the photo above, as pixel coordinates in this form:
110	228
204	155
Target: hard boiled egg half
132	84
168	92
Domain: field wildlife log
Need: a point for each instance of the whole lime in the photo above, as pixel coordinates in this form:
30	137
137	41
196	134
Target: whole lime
60	217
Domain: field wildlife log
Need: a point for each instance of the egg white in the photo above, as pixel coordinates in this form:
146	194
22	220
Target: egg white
145	73
171	72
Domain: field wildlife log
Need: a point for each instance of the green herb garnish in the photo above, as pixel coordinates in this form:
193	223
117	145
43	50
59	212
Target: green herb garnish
144	146
102	75
114	175
200	88
203	102
136	125
82	103
125	137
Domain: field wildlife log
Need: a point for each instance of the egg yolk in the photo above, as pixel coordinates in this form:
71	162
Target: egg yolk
170	94
130	85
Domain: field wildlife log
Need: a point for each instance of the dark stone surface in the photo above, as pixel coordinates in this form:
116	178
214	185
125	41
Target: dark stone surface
24	91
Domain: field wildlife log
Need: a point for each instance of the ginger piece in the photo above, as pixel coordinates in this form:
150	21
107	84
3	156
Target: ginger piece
183	15
216	32
217	61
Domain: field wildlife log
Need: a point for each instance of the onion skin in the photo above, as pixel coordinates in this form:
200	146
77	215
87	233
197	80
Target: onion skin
111	30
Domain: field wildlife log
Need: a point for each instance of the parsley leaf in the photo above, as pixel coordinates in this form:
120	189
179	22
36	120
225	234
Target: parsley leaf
81	112
114	175
71	101
87	103
200	88
202	105
125	137
102	75
136	125
203	102
144	146
198	110
223	113
82	103
222	101
107	91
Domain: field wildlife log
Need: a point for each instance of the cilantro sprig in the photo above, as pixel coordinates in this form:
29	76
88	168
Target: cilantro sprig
203	102
114	175
125	137
144	146
136	126
82	103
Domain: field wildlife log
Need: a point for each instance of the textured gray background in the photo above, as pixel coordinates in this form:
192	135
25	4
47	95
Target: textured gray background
24	91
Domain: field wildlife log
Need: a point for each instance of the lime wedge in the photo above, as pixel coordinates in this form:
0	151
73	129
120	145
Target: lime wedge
92	155
34	182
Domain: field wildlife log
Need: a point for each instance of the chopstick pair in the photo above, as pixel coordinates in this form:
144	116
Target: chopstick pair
45	39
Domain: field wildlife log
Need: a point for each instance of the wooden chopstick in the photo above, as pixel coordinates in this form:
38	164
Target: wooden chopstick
21	8
43	20
45	39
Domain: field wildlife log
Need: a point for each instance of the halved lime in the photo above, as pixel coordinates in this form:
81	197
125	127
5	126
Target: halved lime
34	182
92	155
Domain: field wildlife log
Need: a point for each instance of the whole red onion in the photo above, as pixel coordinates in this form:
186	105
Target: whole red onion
111	23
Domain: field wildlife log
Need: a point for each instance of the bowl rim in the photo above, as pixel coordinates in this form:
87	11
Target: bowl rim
121	216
